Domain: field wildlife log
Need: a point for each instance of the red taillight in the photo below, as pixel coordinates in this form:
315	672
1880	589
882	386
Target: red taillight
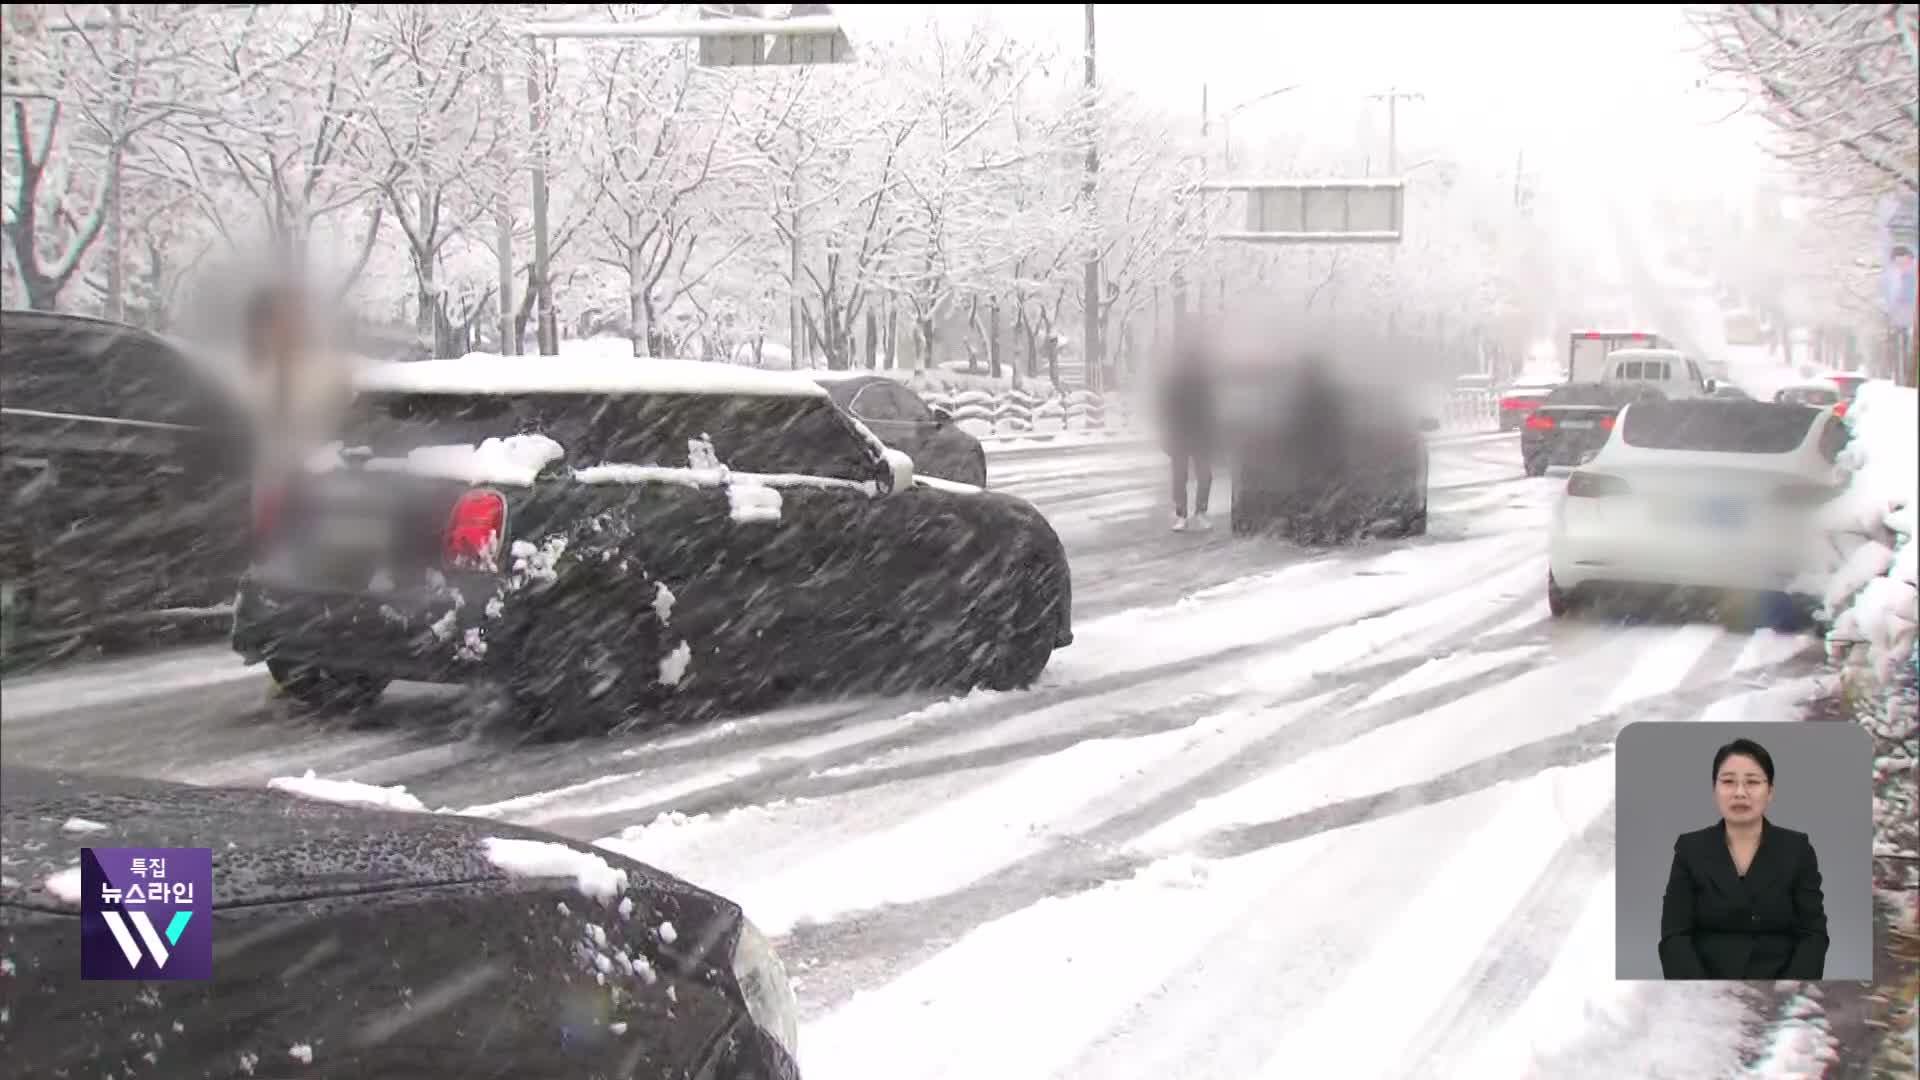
1537	422
266	510
1607	422
1518	403
1840	409
472	540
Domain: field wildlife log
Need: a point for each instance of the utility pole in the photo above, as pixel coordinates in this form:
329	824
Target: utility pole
548	329
1393	97
503	220
796	308
1091	349
116	156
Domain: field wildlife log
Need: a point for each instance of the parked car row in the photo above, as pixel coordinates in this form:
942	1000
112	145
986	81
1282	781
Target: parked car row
126	456
603	541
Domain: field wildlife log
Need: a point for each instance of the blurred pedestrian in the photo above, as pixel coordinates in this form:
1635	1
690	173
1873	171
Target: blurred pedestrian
301	390
1189	429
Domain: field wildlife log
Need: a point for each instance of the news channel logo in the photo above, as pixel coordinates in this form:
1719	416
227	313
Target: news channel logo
146	913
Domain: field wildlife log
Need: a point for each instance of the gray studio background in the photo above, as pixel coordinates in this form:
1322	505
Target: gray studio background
1823	787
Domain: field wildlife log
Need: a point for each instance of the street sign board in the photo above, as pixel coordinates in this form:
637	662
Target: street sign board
802	34
1318	211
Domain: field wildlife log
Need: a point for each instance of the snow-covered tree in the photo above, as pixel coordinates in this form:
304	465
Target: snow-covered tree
1841	83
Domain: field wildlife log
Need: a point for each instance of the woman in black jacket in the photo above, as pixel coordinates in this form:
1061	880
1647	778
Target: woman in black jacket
1743	899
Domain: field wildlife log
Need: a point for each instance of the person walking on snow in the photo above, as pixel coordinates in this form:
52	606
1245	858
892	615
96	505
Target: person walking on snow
1187	422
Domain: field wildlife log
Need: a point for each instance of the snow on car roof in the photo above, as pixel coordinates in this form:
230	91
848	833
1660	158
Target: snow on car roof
486	373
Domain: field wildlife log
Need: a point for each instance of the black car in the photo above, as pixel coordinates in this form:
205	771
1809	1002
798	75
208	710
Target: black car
898	418
1575	422
1325	457
694	534
352	941
127	483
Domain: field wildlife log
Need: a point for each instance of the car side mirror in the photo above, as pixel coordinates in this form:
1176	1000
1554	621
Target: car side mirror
899	470
940	415
1712	385
1429	424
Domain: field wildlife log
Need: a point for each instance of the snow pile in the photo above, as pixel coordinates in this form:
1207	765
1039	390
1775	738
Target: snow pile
951	486
591	874
673	666
536	565
349	792
82	825
1871	594
583	368
515	461
65	885
753	502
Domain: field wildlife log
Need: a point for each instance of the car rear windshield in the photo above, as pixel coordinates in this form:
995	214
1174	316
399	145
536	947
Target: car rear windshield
1730	427
749	434
1610	395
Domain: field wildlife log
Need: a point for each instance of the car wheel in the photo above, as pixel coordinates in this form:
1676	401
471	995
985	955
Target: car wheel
1023	652
1536	467
1240	517
318	687
1560	602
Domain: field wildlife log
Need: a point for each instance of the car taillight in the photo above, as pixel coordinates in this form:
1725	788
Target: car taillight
1537	422
472	539
1840	409
266	510
1592	485
1607	422
1517	403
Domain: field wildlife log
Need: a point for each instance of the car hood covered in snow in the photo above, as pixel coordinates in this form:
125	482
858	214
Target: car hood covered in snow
367	942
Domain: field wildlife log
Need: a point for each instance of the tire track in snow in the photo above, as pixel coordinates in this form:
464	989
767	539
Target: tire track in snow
1112	673
731	789
844	952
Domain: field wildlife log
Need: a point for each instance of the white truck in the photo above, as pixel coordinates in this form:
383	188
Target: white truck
1587	350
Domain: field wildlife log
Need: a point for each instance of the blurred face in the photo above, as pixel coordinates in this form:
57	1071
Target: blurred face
1741	790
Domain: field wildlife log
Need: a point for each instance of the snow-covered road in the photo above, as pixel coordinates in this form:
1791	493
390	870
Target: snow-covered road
1276	813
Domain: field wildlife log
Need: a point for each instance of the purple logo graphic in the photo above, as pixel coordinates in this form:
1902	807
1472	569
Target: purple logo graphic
146	913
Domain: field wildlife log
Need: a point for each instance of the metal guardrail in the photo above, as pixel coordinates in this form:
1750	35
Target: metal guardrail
1015	414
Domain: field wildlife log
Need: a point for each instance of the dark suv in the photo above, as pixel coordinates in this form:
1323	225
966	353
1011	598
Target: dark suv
898	417
601	538
126	483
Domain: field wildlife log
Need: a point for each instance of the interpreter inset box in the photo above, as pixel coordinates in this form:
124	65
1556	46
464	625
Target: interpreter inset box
1744	851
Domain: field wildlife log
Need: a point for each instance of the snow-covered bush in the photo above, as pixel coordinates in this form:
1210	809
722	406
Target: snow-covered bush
1871	596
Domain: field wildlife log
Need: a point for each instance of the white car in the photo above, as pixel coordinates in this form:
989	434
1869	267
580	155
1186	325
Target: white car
1701	493
1669	371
